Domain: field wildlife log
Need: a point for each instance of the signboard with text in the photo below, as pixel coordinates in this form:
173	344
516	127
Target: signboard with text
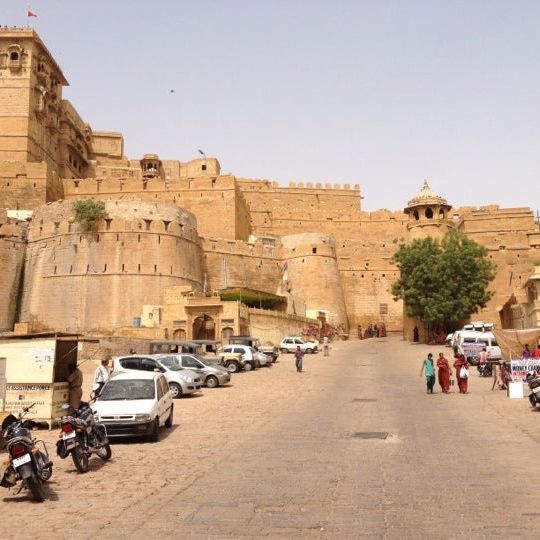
520	367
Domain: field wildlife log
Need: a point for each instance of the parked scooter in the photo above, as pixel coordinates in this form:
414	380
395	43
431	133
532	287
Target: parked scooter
533	380
27	462
81	436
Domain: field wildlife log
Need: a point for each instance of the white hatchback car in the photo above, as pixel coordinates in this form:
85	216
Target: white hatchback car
181	381
135	404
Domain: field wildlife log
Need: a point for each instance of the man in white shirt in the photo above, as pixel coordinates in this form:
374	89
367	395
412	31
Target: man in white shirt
101	375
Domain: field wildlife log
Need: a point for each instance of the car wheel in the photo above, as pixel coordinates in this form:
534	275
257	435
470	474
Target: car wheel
309	351
176	390
169	421
212	382
232	367
284	351
154	436
248	366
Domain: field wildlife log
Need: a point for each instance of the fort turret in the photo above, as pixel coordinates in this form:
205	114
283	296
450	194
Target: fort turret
428	214
313	275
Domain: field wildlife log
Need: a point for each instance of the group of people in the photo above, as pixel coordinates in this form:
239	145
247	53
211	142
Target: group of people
444	372
373	330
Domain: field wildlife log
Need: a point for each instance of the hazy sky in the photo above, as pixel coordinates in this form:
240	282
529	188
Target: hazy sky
379	93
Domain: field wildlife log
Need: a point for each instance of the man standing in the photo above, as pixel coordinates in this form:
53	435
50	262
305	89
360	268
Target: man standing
75	381
326	346
101	375
298	358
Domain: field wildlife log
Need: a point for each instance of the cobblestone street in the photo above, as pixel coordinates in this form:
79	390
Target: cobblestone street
277	454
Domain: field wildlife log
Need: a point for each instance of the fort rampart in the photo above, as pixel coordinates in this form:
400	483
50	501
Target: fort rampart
98	281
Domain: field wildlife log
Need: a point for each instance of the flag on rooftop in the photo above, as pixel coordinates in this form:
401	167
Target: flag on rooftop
31	13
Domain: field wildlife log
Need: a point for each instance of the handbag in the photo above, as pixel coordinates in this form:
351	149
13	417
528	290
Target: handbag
463	373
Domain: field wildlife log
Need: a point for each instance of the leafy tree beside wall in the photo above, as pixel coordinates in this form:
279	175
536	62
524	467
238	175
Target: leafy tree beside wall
88	213
445	282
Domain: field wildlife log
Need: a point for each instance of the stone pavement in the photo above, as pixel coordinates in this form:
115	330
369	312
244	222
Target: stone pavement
275	454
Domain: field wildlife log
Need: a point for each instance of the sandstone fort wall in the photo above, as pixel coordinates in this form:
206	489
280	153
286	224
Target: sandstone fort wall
98	281
313	274
12	251
221	210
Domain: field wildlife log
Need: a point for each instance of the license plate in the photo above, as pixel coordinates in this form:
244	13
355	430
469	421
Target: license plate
70	435
17	462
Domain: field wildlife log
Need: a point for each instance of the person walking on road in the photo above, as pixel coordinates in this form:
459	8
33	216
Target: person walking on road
444	373
326	346
462	373
298	358
427	367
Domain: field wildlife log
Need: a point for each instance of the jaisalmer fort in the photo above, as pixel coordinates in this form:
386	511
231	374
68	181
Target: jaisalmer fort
187	252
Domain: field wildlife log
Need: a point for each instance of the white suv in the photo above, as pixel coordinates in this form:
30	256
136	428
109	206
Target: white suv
181	381
290	343
135	404
252	358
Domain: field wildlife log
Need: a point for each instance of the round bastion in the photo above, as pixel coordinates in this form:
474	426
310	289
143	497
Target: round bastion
313	274
99	280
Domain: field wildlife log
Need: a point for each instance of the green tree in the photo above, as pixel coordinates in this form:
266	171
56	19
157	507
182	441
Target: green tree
443	282
88	212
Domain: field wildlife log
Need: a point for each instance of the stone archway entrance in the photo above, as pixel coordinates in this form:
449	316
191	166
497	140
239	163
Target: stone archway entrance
204	327
179	334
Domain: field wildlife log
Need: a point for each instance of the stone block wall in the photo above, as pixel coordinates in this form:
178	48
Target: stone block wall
25	186
221	210
99	281
313	274
272	326
12	251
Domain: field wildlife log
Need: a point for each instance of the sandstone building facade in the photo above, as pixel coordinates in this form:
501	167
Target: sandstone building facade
179	234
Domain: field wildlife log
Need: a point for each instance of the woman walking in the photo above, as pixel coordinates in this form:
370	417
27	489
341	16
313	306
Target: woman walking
427	366
444	373
462	373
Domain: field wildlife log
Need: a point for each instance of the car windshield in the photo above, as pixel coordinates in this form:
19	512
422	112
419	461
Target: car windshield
172	363
128	389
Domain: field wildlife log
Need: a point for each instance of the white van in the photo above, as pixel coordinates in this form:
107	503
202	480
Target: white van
470	344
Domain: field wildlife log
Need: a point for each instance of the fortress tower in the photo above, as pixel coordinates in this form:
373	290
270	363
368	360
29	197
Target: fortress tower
428	214
313	275
99	281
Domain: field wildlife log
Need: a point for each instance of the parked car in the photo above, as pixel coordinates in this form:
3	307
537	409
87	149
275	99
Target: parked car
135	403
249	355
181	381
290	343
212	351
255	343
212	375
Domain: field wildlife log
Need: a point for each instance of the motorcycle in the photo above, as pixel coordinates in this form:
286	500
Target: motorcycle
485	369
81	436
27	463
533	380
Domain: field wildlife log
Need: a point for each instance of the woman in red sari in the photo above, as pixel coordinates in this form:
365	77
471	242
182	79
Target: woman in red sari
463	382
444	373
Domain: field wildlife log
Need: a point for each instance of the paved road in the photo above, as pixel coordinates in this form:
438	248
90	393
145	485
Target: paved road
276	455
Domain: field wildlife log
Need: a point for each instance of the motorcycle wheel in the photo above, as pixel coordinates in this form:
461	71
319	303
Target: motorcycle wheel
45	472
35	487
532	400
80	459
104	452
